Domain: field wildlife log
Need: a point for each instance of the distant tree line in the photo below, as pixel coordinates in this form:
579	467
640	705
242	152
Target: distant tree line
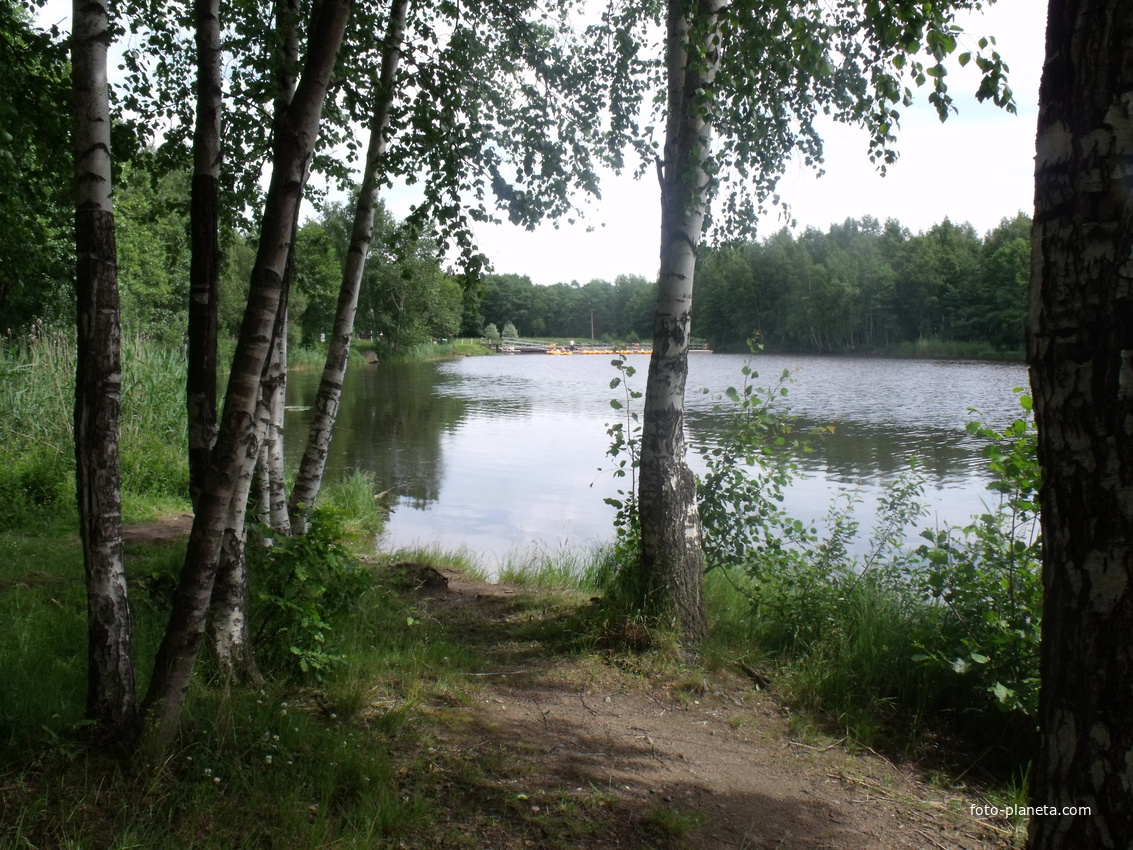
867	286
620	310
860	286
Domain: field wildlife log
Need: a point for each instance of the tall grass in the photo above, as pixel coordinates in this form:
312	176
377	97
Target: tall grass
356	499
423	351
37	375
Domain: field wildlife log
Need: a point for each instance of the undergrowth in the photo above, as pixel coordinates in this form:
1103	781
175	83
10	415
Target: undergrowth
896	641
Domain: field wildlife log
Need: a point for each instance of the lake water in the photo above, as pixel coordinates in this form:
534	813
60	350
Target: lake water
502	455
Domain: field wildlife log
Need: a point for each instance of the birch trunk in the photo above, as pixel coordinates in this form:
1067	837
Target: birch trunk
309	480
204	269
111	689
274	388
274	391
672	561
232	457
228	615
1081	359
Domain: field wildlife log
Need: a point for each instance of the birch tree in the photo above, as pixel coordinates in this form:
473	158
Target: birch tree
204	270
758	73
1081	362
111	691
308	481
233	457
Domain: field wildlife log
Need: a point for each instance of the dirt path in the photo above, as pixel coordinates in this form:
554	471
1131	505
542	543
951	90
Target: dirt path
558	748
697	762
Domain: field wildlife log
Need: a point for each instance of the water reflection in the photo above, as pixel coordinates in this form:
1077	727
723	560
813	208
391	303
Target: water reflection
391	423
500	453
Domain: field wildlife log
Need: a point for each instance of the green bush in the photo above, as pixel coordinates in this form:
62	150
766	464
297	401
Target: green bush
299	586
987	579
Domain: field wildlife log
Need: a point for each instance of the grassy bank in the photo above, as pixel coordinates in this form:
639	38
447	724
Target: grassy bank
375	750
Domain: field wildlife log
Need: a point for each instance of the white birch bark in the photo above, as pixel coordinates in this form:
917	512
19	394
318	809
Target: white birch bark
228	618
111	689
274	403
231	458
671	553
231	639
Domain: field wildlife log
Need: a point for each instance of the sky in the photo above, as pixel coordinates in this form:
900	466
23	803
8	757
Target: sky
977	167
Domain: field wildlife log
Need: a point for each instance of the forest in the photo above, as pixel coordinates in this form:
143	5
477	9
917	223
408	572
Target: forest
861	287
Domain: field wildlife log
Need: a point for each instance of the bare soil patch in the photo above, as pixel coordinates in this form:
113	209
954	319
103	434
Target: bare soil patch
679	760
168	529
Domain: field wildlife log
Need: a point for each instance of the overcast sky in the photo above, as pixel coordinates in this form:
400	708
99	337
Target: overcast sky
977	167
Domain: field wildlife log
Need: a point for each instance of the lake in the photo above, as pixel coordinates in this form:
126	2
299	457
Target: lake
503	455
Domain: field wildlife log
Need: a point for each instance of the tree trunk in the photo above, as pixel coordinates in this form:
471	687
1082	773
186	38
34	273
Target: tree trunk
204	269
111	689
228	617
1081	359
310	478
231	458
672	560
228	614
274	398
274	386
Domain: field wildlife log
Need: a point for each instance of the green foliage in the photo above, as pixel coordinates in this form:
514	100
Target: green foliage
491	331
888	631
37	254
749	466
509	331
619	568
151	218
618	310
299	586
987	576
865	286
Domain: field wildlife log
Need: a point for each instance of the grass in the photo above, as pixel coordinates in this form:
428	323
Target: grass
361	756
544	568
355	497
36	462
295	765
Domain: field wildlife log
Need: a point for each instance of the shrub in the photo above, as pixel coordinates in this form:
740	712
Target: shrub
300	585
